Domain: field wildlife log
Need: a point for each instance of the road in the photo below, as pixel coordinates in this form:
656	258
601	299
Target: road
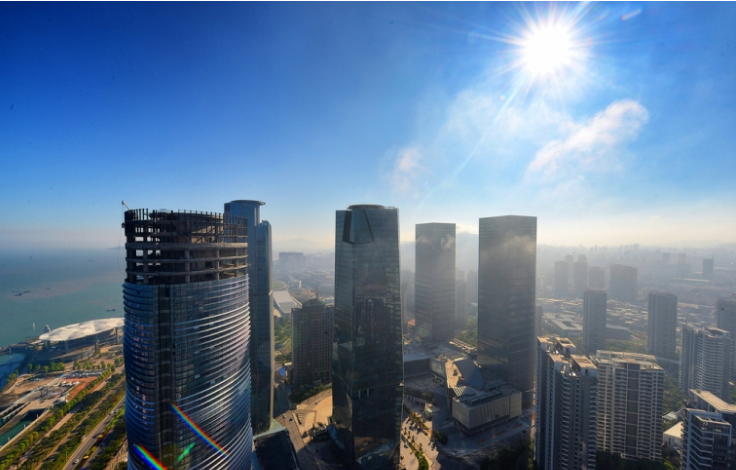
90	439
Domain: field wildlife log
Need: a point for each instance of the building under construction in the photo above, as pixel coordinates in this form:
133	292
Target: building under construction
187	330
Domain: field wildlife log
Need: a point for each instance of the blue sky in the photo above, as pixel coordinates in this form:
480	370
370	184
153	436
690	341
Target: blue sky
311	107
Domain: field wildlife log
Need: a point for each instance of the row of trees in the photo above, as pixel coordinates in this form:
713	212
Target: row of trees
53	367
84	399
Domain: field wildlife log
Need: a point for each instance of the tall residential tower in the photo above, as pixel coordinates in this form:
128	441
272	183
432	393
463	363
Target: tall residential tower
662	326
594	320
367	353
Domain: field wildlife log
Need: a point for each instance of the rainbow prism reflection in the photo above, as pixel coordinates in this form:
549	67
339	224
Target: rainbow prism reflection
149	458
199	431
186	451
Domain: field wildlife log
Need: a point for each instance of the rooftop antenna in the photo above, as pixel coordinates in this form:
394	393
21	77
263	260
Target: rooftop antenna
127	206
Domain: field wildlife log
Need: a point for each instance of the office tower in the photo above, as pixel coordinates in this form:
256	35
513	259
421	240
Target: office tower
434	281
681	258
630	401
580	275
705	361
461	301
367	353
708	434
569	260
666	259
312	327
186	341
624	283
594	320
506	299
292	261
473	286
538	314
596	277
561	279
708	269
726	320
662	327
567	388
261	308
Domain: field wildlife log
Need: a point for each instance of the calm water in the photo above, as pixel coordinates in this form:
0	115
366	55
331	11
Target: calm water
58	288
9	433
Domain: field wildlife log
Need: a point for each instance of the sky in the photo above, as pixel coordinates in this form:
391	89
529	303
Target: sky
612	123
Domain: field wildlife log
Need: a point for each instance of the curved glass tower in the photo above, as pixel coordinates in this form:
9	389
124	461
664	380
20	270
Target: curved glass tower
367	353
186	341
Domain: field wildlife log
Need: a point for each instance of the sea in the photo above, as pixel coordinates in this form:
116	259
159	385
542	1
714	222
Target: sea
57	288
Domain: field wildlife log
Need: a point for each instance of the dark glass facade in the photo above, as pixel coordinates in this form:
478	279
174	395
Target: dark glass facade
261	306
186	341
435	281
367	353
506	299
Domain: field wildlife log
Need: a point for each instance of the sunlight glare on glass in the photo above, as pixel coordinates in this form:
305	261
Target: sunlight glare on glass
547	49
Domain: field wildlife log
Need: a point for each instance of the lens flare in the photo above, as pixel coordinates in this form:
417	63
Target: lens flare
149	458
186	451
198	430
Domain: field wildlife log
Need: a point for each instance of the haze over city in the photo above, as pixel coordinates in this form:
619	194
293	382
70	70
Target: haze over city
614	128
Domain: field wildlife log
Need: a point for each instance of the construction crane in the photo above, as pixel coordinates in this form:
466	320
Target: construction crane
126	206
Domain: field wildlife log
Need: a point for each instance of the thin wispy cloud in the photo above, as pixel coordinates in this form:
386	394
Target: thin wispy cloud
406	169
593	144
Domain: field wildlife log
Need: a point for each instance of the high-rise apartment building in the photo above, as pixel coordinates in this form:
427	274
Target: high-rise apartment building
367	352
260	266
312	327
708	269
580	275
506	299
567	389
726	320
596	277
472	286
434	281
662	326
708	434
630	401
705	361
186	341
561	280
594	320
624	282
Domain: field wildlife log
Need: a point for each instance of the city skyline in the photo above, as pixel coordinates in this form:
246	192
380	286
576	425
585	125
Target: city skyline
425	107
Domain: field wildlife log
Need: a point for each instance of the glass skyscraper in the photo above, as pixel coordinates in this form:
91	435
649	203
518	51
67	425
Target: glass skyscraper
367	353
261	306
506	299
435	281
186	339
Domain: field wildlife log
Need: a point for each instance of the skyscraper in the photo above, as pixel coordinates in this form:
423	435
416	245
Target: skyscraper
367	353
630	401
705	361
261	307
708	434
561	280
594	320
708	269
186	341
567	398
506	299
435	281
662	327
624	282
596	277
726	320
580	275
311	345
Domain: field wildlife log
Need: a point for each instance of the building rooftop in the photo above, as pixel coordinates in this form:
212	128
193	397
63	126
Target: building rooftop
82	330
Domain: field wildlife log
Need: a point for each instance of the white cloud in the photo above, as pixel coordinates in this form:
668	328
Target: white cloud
592	145
406	168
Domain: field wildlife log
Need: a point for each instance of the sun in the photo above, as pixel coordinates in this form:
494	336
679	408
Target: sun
547	49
